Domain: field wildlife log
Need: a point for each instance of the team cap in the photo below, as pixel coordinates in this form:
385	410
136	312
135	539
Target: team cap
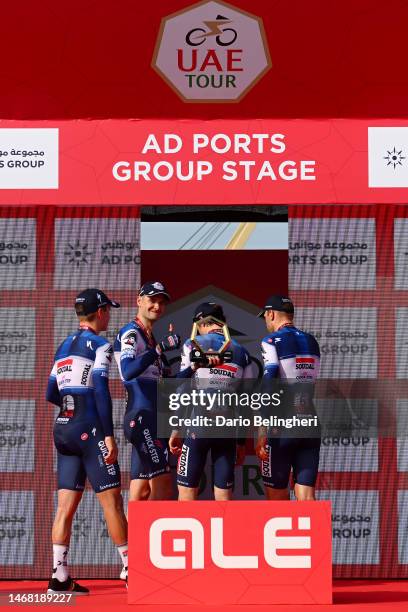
154	288
282	303
88	301
209	309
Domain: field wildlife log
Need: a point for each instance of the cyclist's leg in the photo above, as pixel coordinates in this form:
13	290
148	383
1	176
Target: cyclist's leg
190	467
71	483
305	468
223	454
139	488
112	506
276	469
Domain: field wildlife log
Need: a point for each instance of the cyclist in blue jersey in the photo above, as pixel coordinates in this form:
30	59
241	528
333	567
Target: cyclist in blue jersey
83	432
214	374
292	355
142	362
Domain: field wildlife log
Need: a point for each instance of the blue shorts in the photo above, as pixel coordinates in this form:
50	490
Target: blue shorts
150	455
81	448
191	462
301	454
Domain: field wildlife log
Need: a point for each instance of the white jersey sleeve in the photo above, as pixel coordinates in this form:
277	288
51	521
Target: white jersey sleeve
103	358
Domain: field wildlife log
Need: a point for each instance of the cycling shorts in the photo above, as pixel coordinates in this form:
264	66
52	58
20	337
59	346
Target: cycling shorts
301	454
150	456
80	454
193	457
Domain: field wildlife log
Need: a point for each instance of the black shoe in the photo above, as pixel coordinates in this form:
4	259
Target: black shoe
67	586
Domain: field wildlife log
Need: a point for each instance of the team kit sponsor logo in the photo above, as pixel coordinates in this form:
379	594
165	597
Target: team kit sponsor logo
211	51
72	373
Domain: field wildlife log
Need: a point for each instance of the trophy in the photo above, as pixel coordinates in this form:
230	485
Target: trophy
199	354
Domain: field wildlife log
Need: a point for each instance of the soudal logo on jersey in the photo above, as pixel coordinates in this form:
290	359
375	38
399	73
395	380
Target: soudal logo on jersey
85	373
64	366
225	370
305	363
183	461
211	51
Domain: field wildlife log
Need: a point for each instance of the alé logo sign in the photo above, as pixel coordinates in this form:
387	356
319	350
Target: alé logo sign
272	544
211	52
230	552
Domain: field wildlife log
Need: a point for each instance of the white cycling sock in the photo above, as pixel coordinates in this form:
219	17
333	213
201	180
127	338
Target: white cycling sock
123	551
60	567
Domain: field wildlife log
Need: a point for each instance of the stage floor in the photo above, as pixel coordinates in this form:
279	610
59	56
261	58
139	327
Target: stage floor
360	595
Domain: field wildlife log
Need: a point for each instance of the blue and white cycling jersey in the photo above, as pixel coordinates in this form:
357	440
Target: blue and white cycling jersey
239	366
79	377
140	366
291	353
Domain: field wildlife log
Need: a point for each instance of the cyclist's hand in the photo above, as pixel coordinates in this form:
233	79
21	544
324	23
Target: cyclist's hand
260	449
175	444
213	360
169	343
112	455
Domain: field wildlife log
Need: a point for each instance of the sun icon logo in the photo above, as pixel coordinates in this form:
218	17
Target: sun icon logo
78	253
394	158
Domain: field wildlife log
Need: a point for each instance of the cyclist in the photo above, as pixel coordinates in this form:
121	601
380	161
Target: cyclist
83	432
141	361
225	452
293	355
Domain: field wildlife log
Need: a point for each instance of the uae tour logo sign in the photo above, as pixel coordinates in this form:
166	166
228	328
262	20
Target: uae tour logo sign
211	52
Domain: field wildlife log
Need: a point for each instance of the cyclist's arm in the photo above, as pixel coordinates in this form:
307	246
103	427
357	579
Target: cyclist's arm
249	373
270	373
271	360
100	381
53	394
186	369
133	364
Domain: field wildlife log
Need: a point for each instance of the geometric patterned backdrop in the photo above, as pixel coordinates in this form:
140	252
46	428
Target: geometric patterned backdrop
348	277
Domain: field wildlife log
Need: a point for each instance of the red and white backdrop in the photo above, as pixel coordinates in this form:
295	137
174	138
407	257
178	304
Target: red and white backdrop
348	275
70	223
353	298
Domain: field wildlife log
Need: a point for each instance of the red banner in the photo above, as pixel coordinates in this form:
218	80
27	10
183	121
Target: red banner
199	162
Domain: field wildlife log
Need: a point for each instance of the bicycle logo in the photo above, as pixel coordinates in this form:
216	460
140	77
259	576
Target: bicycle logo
224	37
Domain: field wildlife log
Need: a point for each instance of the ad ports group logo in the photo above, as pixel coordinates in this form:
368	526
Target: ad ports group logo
211	52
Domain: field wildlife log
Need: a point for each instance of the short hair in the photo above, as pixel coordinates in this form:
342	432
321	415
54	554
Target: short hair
91	315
